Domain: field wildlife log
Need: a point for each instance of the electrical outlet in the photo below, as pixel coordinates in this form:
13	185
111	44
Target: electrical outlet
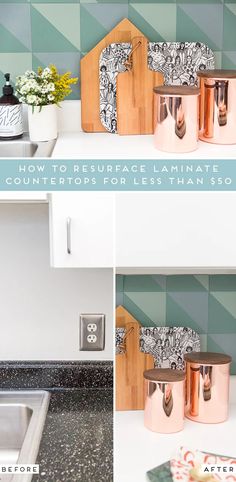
92	338
92	327
92	332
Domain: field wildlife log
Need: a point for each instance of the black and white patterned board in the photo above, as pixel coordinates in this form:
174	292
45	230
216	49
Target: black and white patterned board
178	61
168	345
111	63
120	333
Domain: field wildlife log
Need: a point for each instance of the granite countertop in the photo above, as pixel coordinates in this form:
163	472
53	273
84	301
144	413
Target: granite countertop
77	442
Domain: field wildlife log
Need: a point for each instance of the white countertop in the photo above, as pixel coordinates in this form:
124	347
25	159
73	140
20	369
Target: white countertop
138	450
81	145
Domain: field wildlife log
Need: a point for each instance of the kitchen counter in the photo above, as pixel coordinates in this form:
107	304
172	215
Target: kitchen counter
77	441
81	145
138	450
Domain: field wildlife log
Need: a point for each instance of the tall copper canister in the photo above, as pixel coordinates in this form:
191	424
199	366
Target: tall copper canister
207	386
218	106
176	118
164	400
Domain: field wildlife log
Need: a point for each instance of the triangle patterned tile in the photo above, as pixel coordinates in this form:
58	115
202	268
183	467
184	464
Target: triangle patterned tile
223	344
221	319
193	24
107	14
88	23
152	304
188	309
56	15
52	40
143	283
229	60
160	16
14	16
9	43
138	314
229	28
223	282
145	27
187	283
16	63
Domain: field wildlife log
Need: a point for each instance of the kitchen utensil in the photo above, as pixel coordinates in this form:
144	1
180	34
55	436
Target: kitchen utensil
168	345
177	61
207	387
135	93
218	106
90	99
164	400
176	118
130	365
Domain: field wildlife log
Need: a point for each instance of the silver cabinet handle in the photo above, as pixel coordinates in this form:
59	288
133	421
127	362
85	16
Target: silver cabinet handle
68	234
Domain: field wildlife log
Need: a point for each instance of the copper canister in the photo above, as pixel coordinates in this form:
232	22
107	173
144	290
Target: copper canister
218	106
207	386
164	400
176	111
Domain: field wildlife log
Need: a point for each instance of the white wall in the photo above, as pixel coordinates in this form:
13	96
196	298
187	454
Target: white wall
39	305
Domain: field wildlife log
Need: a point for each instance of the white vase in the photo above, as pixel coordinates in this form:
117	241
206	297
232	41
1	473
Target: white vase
42	122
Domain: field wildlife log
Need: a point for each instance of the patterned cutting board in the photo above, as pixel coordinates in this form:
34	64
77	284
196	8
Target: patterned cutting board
167	345
178	61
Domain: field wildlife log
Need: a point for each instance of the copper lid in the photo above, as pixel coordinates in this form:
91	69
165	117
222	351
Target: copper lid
207	358
164	375
176	90
217	74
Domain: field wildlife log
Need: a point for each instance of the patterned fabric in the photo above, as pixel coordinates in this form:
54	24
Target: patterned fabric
164	471
178	61
186	465
168	345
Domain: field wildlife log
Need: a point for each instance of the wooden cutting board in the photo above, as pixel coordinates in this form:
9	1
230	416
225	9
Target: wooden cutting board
90	104
135	106
130	365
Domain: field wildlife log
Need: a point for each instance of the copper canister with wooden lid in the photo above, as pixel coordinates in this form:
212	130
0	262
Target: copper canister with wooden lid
176	113
207	386
218	106
164	400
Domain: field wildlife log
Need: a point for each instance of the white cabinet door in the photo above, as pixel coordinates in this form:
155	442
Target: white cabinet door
176	229
23	196
81	229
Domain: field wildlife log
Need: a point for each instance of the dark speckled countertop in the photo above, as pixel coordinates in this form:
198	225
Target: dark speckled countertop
77	441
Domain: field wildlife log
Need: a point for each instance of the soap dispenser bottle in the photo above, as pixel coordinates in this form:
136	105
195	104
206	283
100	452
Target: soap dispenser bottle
11	118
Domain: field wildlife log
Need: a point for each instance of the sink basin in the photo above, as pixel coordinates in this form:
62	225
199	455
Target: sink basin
25	148
22	418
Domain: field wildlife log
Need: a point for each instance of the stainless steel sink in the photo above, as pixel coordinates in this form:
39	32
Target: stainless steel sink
25	148
22	418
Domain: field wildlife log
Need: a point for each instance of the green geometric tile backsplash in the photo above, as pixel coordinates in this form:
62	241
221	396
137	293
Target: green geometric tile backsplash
38	32
205	303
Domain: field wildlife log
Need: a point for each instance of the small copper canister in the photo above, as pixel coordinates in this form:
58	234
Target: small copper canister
218	106
207	386
164	400
176	111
